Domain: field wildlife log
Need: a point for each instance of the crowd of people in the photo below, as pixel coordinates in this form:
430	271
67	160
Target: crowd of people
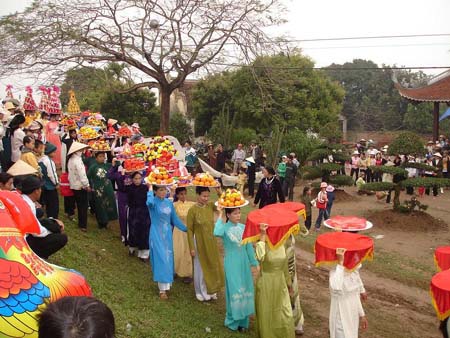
178	237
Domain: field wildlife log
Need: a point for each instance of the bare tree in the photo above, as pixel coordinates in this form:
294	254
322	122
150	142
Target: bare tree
162	40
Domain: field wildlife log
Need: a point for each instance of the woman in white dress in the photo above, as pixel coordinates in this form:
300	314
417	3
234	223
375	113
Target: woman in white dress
346	311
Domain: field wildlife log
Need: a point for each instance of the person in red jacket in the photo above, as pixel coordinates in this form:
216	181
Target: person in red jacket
321	204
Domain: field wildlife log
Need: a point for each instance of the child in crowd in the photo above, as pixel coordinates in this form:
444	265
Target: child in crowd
39	149
321	204
27	154
6	181
242	179
49	196
68	195
75	317
138	216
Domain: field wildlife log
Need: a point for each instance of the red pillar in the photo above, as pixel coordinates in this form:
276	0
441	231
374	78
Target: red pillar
436	121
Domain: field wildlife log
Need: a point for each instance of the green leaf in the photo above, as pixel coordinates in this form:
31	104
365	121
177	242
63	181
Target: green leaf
389	170
421	166
340	180
407	143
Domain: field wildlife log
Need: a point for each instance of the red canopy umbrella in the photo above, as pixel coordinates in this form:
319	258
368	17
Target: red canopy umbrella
440	294
296	207
358	248
282	223
442	258
348	223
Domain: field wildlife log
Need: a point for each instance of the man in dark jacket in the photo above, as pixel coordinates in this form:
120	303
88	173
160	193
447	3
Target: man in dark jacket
289	180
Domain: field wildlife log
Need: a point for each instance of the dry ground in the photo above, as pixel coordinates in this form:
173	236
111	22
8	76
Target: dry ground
397	280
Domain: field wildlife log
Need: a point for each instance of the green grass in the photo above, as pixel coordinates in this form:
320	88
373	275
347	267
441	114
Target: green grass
125	284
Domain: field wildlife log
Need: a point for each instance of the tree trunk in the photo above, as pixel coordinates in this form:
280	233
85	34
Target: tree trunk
397	191
165	110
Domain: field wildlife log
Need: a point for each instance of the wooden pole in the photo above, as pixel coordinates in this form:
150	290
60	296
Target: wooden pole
436	121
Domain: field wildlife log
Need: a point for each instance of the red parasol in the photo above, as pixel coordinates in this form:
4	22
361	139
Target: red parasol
440	294
358	248
348	223
442	258
281	223
296	207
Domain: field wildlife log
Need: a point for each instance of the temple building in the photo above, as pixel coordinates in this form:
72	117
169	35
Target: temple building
437	91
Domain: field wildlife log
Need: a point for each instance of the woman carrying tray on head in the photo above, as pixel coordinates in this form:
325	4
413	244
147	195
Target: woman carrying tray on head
181	252
239	290
163	216
346	311
273	288
208	270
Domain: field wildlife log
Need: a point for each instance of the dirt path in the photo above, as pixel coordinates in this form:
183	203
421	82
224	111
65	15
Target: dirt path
394	309
390	305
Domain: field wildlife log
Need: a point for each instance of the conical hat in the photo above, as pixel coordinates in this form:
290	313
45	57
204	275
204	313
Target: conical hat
112	121
76	146
21	168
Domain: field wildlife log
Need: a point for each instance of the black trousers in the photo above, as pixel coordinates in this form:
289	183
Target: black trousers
69	205
308	221
48	245
354	171
288	189
50	199
82	201
251	186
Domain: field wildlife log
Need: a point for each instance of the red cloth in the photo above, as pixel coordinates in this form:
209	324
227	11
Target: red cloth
347	222
292	206
442	257
359	248
281	224
440	293
64	185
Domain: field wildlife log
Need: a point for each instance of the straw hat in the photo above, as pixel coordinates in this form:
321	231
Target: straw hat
76	146
323	185
21	168
35	125
355	152
112	122
250	159
9	105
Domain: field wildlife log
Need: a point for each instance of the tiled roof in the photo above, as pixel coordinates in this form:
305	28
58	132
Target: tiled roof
437	90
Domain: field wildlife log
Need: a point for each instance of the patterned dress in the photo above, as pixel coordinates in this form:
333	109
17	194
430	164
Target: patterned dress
102	194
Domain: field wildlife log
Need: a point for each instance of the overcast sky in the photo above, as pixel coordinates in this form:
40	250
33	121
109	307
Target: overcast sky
310	19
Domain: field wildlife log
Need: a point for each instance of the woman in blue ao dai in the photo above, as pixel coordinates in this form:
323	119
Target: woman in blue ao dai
239	290
163	216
